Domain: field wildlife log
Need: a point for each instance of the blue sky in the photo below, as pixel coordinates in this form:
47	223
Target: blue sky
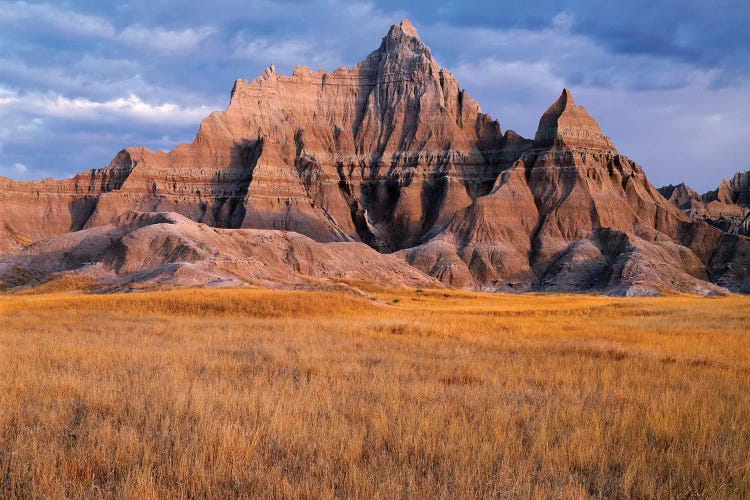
669	81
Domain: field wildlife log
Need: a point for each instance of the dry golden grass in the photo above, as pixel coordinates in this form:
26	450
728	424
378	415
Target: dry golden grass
199	393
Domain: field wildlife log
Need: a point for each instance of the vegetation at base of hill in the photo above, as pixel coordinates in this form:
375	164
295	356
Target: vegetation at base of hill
416	393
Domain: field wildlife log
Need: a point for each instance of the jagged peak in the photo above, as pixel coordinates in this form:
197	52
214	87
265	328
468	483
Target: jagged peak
561	105
567	124
680	189
565	100
402	55
405	27
403	39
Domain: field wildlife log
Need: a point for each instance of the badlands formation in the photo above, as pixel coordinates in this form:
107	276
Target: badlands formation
386	172
727	207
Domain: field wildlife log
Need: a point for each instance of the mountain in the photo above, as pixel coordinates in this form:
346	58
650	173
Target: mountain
735	191
726	208
390	155
571	214
377	153
682	196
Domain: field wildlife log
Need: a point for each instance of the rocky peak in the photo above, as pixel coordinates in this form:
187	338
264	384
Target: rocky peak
569	125
405	27
681	195
403	33
403	45
722	194
730	192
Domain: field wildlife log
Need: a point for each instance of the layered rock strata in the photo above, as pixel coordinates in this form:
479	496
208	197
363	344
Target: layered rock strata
379	153
393	155
574	214
726	208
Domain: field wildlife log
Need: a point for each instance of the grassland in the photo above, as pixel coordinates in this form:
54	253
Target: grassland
199	393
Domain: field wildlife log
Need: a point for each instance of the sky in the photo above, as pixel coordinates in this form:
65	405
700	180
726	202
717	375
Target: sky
668	81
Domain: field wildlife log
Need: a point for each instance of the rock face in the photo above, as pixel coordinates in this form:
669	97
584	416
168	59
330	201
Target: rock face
390	155
571	214
735	191
682	196
378	153
726	208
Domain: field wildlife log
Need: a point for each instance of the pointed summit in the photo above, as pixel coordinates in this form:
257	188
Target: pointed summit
402	52
681	195
403	37
569	125
405	27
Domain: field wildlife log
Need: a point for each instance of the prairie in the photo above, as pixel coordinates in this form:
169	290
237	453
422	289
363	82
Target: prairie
250	392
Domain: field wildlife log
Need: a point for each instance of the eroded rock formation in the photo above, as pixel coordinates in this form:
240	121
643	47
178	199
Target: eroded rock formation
393	155
378	153
571	214
726	208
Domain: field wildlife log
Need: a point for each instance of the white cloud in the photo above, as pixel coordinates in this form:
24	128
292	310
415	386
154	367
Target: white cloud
563	21
358	28
8	100
28	112
7	96
96	78
285	53
22	172
23	15
132	107
573	57
54	134
507	75
164	40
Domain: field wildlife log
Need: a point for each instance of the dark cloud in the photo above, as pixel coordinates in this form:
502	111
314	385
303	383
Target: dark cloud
713	34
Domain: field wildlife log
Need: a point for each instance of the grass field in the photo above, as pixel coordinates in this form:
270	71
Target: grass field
199	393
